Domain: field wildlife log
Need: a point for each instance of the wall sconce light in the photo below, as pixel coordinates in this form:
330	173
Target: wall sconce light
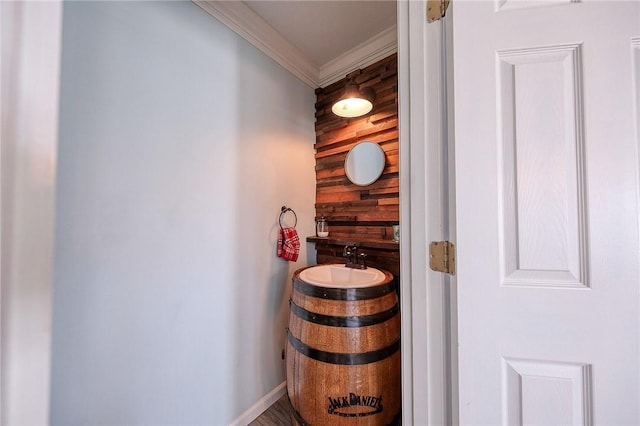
354	102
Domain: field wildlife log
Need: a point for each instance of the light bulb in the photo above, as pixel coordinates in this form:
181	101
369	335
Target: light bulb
352	107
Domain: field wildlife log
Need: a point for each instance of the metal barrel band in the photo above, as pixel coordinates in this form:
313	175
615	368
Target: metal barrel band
351	321
297	415
343	293
343	358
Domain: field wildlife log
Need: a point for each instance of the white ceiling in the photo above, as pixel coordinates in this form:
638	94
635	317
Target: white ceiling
324	30
320	41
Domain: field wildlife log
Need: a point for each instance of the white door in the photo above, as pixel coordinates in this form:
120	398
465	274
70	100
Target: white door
546	146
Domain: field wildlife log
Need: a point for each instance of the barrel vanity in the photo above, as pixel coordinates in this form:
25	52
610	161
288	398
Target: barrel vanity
343	347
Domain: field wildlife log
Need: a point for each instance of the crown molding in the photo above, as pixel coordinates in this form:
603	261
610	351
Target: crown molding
378	47
250	26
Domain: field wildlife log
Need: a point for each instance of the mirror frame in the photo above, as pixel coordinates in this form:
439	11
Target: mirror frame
379	155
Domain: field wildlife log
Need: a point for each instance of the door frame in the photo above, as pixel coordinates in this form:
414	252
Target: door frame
31	35
426	160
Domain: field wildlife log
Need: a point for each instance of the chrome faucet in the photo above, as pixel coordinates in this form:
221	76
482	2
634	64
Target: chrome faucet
355	259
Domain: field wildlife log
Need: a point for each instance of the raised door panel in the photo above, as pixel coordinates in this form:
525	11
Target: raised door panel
540	130
546	393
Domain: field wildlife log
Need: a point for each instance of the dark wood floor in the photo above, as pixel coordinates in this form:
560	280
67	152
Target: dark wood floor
276	415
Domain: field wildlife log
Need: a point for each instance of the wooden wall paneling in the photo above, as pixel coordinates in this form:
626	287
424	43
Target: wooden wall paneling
357	213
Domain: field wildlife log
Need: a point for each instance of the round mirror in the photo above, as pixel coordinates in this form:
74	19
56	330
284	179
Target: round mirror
364	163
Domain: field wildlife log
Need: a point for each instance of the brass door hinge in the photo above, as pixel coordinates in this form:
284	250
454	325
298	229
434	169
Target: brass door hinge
442	257
436	9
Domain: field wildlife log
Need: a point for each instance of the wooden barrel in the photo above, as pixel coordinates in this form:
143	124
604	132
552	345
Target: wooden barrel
343	354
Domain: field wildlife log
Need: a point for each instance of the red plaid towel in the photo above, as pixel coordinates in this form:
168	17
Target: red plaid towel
288	244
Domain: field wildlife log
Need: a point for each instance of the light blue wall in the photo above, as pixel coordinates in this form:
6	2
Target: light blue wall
178	144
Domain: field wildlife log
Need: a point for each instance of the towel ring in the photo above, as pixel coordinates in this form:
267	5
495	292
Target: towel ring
284	210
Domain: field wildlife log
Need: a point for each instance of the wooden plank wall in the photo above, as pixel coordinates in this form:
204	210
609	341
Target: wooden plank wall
357	212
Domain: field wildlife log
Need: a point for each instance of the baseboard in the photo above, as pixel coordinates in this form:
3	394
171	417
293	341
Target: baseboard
261	406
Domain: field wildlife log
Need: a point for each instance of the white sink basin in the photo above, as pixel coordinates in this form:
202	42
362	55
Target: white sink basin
339	276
